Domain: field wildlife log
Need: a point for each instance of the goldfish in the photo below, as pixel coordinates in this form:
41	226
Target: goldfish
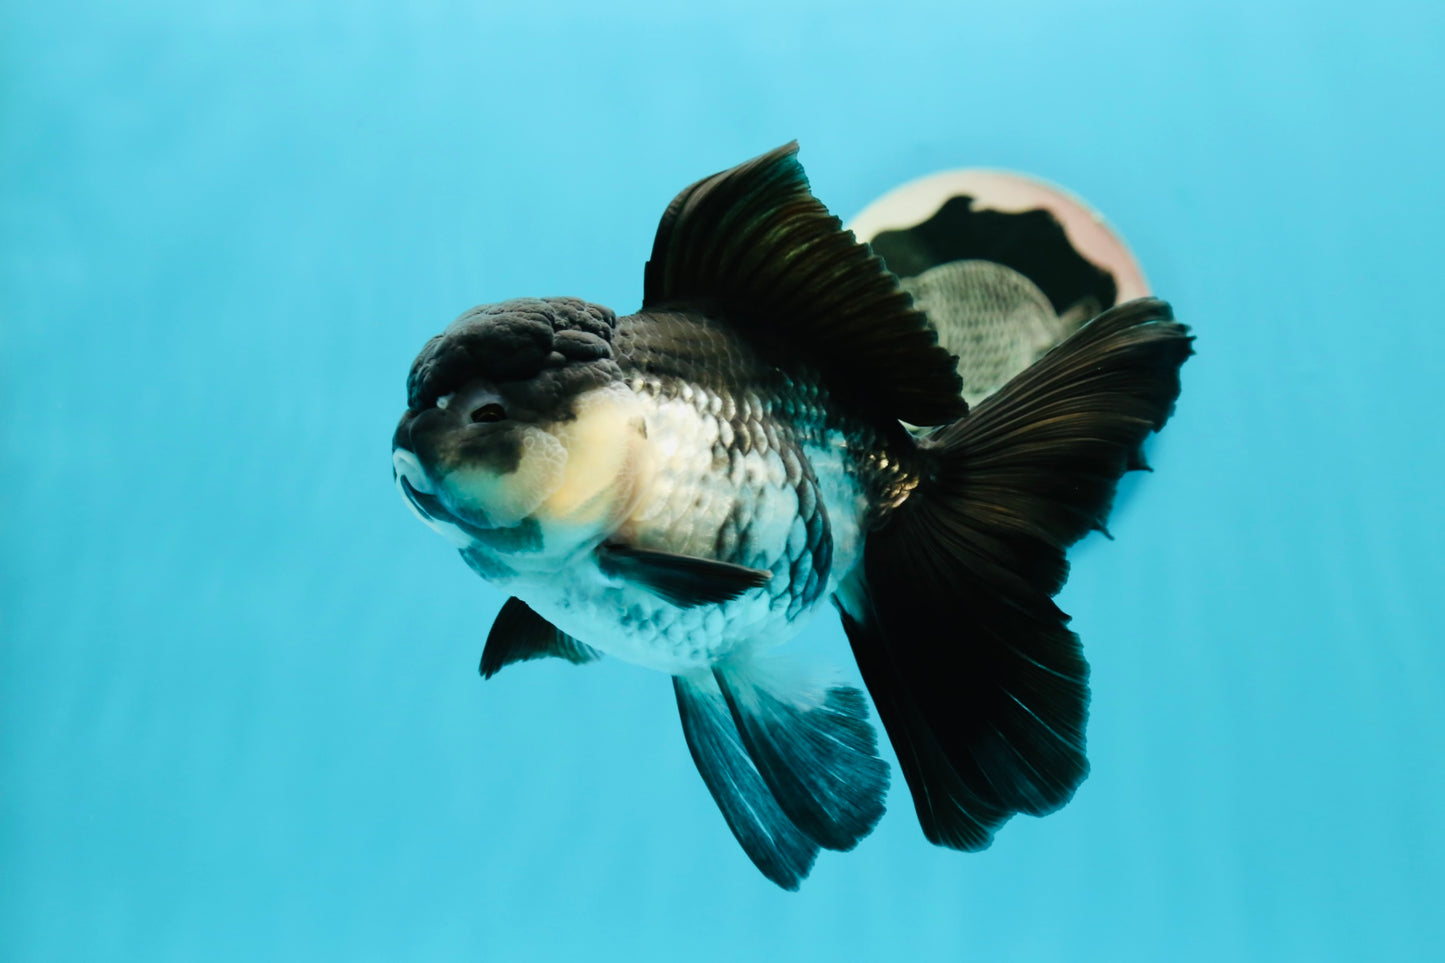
777	430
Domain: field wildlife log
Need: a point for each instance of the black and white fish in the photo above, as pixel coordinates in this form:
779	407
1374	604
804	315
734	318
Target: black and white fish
684	487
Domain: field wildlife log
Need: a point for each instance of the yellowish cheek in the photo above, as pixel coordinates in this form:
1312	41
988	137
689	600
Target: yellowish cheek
504	500
604	447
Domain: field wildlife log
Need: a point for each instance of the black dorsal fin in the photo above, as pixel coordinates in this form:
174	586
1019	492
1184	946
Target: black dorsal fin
520	634
753	245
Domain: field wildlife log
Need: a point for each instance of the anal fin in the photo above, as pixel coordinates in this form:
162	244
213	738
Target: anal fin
519	634
816	752
777	848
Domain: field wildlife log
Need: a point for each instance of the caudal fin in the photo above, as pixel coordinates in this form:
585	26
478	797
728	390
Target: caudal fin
980	684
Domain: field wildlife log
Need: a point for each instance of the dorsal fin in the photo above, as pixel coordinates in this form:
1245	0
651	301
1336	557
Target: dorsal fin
753	245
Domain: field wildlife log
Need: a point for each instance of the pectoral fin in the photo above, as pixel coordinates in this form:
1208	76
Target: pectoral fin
683	580
519	634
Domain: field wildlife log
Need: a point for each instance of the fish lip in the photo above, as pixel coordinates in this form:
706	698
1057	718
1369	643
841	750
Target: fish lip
405	466
428	505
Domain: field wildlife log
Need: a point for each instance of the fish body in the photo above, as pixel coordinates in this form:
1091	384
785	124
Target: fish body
742	465
699	448
683	487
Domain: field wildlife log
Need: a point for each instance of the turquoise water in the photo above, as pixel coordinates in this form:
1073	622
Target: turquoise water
239	711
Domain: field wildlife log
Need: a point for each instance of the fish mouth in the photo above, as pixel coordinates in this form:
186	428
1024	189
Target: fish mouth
417	489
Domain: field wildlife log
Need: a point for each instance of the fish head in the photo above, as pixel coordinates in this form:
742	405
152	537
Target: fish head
520	441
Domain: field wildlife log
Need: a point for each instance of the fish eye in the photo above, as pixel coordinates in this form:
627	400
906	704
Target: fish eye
489	412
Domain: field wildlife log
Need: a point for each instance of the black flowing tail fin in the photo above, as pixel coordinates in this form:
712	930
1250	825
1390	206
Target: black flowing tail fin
980	684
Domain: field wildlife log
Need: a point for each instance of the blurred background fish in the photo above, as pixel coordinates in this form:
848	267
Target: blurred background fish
1005	265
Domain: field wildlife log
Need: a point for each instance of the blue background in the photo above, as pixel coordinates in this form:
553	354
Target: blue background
239	711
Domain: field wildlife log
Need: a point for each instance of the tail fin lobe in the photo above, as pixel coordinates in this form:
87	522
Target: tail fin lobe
981	685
